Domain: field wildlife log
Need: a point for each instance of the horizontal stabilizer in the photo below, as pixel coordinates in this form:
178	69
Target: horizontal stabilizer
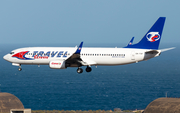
162	50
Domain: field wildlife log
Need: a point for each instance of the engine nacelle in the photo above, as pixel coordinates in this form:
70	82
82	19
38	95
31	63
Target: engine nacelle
57	64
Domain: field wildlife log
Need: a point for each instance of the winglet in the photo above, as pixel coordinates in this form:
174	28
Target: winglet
78	51
131	42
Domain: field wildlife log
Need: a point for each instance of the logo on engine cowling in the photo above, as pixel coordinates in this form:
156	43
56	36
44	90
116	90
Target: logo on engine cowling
153	36
54	63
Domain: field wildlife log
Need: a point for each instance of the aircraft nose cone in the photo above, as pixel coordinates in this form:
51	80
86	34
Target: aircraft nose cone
5	57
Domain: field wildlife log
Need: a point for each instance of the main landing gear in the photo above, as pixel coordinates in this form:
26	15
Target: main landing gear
80	70
88	69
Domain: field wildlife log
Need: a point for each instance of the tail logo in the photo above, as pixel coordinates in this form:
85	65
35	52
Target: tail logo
153	36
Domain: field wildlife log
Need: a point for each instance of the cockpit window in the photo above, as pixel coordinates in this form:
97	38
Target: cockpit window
12	53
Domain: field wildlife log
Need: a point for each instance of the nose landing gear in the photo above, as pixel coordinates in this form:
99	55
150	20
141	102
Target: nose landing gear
20	67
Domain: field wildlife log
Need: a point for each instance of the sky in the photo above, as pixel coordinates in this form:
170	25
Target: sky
90	21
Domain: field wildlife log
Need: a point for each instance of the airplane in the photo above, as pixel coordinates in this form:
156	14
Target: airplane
64	57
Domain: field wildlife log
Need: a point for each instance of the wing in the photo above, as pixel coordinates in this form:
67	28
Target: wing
74	59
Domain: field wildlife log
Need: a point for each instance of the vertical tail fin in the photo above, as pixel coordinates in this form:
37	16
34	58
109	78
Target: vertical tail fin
152	38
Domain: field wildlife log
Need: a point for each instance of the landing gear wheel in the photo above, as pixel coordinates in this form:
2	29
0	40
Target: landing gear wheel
79	70
88	69
20	69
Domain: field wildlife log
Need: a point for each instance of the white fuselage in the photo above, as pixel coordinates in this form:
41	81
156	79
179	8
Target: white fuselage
91	56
